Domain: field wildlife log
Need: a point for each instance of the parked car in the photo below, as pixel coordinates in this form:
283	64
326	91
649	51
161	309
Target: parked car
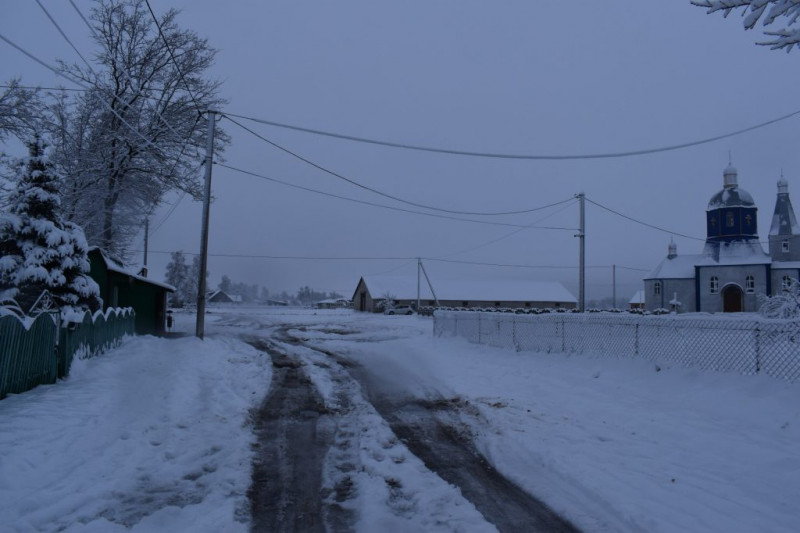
400	310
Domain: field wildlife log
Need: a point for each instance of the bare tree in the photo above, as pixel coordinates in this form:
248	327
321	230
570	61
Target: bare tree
769	12
137	134
18	111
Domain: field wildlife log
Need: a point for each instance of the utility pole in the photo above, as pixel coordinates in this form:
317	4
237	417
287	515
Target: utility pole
435	299
201	283
614	286
582	261
419	267
146	240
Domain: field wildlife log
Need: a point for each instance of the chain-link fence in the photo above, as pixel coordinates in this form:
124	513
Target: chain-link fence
743	345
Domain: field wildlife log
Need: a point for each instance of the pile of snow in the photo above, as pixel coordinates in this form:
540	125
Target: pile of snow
152	436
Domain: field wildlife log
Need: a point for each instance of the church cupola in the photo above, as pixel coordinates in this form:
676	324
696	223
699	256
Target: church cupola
672	250
731	214
730	177
784	233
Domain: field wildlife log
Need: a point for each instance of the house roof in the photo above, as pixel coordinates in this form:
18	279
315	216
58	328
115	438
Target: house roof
474	290
115	265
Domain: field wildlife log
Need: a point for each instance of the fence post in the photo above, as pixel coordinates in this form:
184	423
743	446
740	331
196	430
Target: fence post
479	328
514	333
636	339
563	335
758	349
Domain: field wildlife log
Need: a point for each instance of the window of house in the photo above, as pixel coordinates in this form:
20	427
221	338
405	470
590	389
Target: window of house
785	246
657	288
714	284
465	304
750	284
786	282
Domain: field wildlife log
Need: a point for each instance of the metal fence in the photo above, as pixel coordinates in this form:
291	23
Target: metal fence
38	351
742	345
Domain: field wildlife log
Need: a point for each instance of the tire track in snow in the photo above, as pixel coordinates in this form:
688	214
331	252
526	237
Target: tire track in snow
431	430
293	440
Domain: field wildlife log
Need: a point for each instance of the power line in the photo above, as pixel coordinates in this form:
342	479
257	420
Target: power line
81	84
643	223
371	258
64	35
385	195
610	155
172	56
507	235
382	206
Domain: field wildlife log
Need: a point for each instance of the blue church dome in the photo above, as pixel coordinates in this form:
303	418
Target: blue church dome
732	213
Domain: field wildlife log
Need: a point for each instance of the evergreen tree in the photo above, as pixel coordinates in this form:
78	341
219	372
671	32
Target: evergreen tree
769	12
38	250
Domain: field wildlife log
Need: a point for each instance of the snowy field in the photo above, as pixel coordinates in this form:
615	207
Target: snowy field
154	436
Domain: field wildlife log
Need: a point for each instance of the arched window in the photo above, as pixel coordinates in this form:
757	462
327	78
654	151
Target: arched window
750	284
657	288
714	285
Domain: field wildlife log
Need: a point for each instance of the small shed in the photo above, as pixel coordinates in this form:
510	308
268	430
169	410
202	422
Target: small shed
220	297
637	301
122	287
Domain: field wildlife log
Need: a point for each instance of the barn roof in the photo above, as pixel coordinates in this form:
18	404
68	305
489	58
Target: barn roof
473	290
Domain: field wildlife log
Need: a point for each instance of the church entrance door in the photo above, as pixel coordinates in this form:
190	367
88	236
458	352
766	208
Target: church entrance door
732	299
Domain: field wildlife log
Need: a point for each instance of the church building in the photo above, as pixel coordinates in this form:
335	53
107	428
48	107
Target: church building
733	270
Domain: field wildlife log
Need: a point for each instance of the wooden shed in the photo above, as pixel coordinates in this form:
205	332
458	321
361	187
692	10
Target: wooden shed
121	287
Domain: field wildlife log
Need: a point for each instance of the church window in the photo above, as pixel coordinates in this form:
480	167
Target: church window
750	284
657	288
785	246
729	219
714	284
786	282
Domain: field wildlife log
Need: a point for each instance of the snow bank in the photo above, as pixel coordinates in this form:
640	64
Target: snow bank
151	436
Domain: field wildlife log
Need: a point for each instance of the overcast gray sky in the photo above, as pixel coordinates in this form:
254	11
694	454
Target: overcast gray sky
515	77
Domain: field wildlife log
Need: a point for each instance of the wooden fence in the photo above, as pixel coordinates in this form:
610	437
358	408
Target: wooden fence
37	351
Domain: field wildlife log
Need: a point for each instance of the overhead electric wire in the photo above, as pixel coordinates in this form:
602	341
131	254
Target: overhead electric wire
507	235
496	155
81	84
64	35
643	223
385	195
172	56
383	206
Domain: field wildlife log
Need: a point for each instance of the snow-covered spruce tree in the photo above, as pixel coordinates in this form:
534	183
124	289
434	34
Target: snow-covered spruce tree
785	304
769	12
38	250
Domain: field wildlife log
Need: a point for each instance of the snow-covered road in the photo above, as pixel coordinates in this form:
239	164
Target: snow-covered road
158	434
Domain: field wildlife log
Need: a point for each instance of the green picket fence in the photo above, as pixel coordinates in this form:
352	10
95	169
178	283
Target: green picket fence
40	352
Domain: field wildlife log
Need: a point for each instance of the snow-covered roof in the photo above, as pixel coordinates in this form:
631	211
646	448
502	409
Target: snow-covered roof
473	290
114	265
747	252
637	298
731	197
679	267
715	254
